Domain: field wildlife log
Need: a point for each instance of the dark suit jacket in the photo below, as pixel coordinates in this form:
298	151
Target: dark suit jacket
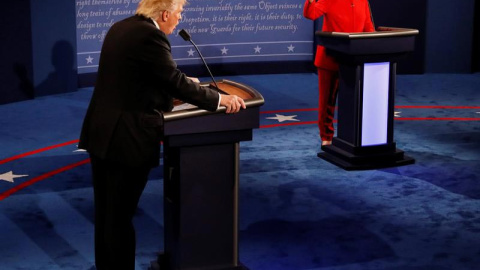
137	81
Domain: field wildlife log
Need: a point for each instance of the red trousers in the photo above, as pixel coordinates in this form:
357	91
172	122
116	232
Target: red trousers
327	98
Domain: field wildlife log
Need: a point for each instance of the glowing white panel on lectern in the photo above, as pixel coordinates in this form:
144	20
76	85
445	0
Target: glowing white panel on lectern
376	81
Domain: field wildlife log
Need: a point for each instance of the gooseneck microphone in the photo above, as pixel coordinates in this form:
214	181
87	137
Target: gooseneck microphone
186	36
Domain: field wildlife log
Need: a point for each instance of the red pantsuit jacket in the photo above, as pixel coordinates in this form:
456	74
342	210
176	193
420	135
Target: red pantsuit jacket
338	16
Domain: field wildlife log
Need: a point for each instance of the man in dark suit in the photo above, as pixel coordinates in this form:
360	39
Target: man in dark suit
137	81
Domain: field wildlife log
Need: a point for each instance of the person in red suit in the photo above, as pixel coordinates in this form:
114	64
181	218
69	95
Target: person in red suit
338	16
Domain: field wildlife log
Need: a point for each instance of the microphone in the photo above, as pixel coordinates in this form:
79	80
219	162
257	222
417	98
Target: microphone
186	36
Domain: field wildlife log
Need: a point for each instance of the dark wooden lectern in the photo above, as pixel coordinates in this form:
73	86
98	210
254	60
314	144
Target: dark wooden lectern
366	97
201	173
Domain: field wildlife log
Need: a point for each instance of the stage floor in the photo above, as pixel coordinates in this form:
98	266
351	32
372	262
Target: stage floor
297	211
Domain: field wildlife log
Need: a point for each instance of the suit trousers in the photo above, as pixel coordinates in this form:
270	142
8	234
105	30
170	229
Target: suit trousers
327	98
117	190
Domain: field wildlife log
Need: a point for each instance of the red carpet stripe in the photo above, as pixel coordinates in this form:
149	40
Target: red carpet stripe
396	119
71	166
396	107
438	107
36	151
436	119
291	110
41	177
289	124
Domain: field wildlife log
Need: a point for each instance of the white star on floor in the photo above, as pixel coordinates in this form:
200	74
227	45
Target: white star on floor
224	50
80	150
291	48
257	49
9	176
397	114
89	60
282	118
191	52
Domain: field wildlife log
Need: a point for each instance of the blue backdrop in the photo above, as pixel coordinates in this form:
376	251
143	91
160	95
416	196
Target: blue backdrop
232	31
39	51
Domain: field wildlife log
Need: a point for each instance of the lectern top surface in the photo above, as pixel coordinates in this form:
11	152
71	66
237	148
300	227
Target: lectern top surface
234	90
381	32
251	96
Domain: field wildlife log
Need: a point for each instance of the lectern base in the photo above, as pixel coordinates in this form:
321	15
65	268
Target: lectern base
161	264
351	162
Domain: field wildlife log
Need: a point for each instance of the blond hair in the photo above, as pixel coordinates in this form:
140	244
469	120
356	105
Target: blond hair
153	8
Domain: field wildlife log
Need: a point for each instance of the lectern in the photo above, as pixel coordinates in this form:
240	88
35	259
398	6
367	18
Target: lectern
366	97
201	178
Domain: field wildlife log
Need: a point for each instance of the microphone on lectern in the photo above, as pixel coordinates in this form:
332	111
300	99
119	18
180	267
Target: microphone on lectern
186	36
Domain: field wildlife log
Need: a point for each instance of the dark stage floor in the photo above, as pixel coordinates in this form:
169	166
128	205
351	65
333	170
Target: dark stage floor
297	211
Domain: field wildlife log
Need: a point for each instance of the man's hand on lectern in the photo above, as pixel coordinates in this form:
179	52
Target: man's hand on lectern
233	103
